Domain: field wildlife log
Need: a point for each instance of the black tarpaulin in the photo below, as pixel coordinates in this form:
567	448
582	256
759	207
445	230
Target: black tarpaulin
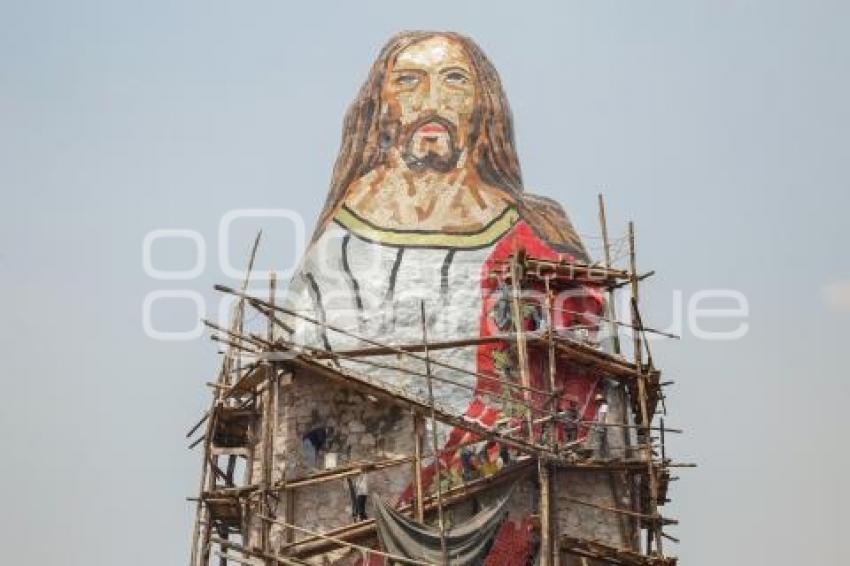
467	542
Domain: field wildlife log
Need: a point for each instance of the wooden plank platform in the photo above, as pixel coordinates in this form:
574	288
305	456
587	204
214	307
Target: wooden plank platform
584	354
249	382
226	511
596	550
234	428
566	269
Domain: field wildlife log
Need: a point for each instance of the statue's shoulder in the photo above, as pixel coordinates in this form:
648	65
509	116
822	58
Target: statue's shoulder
550	222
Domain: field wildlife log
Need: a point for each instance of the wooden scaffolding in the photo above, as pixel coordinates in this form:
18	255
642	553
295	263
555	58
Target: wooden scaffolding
240	501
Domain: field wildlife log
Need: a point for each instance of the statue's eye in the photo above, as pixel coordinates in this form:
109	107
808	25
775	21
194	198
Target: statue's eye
456	78
407	80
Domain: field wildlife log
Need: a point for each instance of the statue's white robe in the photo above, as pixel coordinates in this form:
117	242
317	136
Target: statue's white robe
374	291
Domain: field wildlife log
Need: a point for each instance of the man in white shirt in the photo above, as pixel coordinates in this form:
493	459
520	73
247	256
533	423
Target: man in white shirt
600	427
361	492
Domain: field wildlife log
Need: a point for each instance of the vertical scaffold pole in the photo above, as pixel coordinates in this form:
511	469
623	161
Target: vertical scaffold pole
611	306
435	444
550	548
525	379
268	433
653	532
628	527
418	434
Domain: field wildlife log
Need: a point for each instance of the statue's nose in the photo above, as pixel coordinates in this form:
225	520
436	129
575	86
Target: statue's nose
432	98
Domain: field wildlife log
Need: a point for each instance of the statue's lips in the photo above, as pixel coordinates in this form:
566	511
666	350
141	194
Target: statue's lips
432	128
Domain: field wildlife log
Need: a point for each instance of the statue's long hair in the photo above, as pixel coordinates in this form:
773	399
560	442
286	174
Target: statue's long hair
490	144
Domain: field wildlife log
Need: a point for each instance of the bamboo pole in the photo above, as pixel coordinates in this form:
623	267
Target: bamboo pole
543	471
610	306
646	419
582	353
498	434
418	433
550	554
322	354
311	364
628	527
572	270
455	495
240	318
285	496
365	549
343	472
436	448
401	397
201	533
328	354
226	544
550	336
199	537
268	436
239	327
259	304
371	466
525	378
521	345
600	553
275	418
649	517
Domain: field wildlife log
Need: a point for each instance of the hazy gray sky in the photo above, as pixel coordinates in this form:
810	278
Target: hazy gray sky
720	127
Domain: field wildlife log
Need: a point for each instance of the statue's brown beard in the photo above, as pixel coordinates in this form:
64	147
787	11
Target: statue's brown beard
430	161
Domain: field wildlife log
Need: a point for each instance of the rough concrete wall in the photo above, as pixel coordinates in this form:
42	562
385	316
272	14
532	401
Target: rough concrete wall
595	487
603	488
366	430
362	430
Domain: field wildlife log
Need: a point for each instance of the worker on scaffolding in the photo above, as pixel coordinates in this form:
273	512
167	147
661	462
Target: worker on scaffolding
488	465
600	428
469	463
571	421
361	493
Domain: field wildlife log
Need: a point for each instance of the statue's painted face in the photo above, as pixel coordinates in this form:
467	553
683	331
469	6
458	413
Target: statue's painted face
430	93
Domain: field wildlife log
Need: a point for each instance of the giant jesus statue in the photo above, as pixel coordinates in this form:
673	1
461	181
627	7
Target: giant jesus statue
425	200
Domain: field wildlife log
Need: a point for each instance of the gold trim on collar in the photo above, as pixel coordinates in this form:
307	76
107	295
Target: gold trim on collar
427	238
